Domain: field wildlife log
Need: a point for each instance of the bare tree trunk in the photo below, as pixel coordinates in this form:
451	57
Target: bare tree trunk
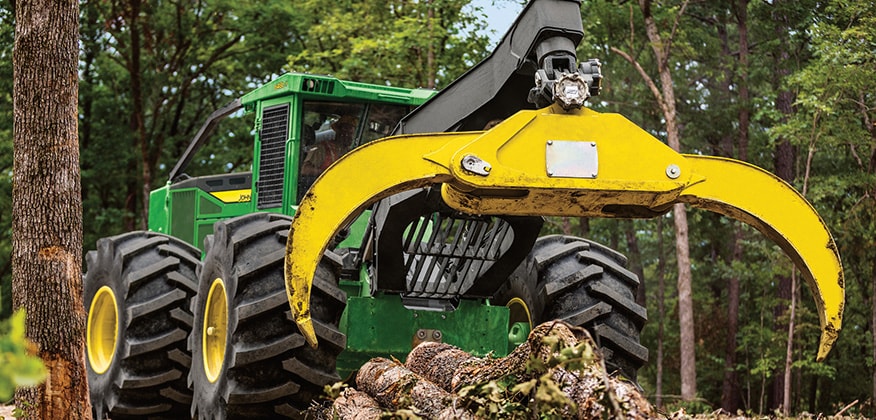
785	155
873	329
47	205
584	227
662	48
661	312
665	96
635	259
730	386
430	53
789	350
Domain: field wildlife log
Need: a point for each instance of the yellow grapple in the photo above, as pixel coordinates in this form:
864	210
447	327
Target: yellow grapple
552	162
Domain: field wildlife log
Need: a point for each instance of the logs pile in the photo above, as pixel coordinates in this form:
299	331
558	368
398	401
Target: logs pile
556	373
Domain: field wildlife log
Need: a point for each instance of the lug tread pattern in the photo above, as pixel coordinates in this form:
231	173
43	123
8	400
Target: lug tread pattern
587	315
259	306
153	277
136	348
148	381
263	395
248	253
587	285
246	353
629	306
630	347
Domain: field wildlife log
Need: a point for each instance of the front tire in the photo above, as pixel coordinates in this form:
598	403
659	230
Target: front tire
587	284
137	290
249	359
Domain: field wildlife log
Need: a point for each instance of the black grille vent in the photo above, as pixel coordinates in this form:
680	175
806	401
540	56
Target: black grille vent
275	129
317	85
459	250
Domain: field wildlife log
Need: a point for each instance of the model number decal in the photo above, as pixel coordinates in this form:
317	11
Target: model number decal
233	196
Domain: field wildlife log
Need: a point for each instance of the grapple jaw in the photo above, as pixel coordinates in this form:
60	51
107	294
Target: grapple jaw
551	162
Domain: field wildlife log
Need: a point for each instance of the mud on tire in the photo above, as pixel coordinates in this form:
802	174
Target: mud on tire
137	328
266	369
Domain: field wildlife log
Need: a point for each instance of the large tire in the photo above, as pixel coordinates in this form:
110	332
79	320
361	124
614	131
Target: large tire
137	289
585	284
257	364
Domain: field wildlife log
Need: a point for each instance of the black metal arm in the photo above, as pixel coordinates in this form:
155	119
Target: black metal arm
521	73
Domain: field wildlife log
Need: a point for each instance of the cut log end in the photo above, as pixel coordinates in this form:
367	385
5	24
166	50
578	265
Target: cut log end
556	358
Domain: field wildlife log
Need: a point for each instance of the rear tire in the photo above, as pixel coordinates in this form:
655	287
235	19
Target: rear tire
587	284
260	366
137	289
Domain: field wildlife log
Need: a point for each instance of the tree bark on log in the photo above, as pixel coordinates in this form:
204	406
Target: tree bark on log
355	405
440	381
395	387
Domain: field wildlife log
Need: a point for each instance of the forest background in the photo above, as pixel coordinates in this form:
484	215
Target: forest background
786	85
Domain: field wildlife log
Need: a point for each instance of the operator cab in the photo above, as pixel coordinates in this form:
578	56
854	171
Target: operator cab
331	129
302	124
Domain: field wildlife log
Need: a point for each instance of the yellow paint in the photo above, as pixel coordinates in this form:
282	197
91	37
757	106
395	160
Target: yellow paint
233	196
102	330
638	176
213	335
747	193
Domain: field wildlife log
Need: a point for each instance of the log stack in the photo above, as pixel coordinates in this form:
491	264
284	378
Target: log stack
556	373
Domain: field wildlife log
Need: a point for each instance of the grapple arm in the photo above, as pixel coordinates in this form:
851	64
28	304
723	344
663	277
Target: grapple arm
563	163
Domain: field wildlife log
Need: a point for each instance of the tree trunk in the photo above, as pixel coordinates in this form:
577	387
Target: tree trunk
873	329
784	158
662	48
47	205
635	256
138	116
789	350
661	312
730	383
730	386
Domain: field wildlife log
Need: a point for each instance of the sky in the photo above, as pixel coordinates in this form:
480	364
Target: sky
500	15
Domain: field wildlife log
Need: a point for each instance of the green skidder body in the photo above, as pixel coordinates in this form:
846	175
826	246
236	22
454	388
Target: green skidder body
293	114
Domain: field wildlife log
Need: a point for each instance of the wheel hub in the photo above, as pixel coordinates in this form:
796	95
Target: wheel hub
215	329
519	312
102	329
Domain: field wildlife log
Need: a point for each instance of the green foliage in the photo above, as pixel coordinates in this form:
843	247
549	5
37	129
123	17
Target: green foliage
17	367
398	43
536	395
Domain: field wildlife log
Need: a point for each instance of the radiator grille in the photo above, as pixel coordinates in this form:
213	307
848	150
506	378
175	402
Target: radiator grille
275	129
458	251
182	213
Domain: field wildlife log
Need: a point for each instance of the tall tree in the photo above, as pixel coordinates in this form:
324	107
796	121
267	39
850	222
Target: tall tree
47	210
661	46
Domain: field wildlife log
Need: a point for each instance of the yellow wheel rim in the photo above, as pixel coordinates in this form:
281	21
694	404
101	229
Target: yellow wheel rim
102	329
215	329
519	312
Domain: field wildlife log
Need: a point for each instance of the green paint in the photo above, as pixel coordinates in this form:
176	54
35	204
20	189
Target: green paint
382	326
